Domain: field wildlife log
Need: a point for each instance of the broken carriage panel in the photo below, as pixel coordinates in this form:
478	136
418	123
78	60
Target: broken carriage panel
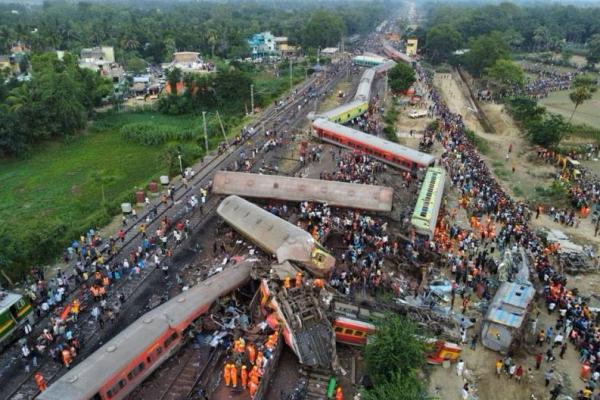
297	313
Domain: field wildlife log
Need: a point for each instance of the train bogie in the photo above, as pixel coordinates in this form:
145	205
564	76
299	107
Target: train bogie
388	152
345	112
338	194
275	236
116	368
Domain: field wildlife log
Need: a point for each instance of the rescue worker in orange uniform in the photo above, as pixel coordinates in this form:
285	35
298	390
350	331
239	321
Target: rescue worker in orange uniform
244	376
251	350
259	361
67	359
254	378
252	387
233	375
319	283
339	395
40	381
298	279
227	374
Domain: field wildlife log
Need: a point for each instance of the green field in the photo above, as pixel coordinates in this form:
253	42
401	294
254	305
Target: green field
55	195
587	113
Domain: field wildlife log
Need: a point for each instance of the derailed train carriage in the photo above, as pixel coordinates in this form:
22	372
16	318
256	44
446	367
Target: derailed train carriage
119	366
388	152
338	194
275	235
428	204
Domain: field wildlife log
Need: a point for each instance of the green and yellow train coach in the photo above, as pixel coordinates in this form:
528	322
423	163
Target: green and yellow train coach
15	311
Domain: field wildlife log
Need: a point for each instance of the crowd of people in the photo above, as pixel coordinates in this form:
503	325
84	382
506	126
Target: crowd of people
484	198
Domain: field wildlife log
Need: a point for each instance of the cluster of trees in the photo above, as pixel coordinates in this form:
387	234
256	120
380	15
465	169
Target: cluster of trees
153	30
56	102
393	359
547	129
228	90
522	28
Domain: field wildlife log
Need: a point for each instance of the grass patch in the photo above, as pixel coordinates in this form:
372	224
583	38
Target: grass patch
587	113
480	143
555	194
517	191
501	172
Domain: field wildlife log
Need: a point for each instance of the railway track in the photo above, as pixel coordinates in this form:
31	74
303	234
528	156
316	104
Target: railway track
27	388
186	353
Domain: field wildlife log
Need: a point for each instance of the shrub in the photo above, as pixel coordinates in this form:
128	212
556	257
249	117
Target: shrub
151	134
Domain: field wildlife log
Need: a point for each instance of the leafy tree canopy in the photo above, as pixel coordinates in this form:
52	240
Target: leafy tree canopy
547	131
401	77
441	41
484	51
504	76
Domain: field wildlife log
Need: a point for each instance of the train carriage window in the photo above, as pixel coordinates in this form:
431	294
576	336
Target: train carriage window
115	389
136	371
170	339
349	331
339	329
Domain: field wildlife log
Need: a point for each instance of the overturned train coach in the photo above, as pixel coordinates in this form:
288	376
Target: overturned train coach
388	152
275	235
337	194
119	366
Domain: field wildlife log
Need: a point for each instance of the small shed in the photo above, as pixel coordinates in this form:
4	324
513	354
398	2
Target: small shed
505	318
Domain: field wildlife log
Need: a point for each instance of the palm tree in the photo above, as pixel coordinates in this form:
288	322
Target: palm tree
130	44
583	87
212	38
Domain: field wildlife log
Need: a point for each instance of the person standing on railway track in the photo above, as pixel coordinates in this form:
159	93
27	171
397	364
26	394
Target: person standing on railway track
40	381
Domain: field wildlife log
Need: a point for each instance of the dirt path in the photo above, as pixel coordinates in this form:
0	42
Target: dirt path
531	176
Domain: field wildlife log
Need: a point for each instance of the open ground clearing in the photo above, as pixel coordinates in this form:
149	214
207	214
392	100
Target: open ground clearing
587	113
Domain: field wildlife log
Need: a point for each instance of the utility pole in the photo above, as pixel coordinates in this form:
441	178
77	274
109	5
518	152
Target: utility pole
205	131
222	129
386	87
291	75
252	99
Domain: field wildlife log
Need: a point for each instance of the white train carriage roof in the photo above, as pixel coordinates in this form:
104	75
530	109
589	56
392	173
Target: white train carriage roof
341	194
88	377
372	140
363	92
380	69
269	232
342	109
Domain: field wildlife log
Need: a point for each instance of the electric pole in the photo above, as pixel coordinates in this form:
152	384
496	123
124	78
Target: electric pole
222	129
205	131
386	87
252	99
291	75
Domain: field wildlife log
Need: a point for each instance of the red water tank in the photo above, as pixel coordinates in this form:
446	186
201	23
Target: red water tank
140	196
153	187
